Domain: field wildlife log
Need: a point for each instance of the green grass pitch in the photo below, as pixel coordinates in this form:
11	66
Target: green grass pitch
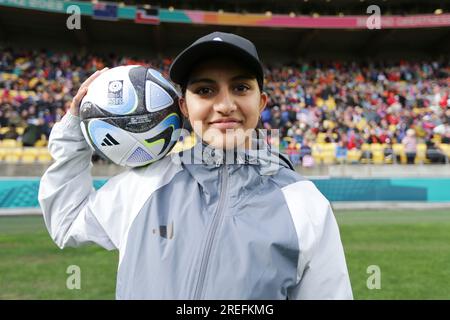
411	248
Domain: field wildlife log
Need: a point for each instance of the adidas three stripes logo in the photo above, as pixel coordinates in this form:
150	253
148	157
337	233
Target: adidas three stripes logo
109	141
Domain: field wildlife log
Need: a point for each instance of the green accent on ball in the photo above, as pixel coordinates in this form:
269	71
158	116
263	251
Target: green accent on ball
150	144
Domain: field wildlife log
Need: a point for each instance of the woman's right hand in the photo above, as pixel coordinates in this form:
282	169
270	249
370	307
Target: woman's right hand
75	104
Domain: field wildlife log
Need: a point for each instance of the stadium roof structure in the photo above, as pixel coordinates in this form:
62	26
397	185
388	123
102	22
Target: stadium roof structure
43	29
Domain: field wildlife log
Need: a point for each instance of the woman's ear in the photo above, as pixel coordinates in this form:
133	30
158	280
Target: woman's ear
263	101
183	107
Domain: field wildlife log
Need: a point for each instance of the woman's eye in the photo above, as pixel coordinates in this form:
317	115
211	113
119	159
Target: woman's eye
203	91
242	88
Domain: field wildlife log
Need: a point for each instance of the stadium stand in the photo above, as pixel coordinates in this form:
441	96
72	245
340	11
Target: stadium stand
346	112
328	111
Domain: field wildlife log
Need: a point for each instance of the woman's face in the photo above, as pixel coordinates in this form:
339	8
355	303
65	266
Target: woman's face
223	103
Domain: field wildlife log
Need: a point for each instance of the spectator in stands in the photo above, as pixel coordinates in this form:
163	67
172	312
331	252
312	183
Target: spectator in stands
446	138
11	133
373	137
410	143
293	152
305	150
32	133
443	130
434	153
341	152
369	102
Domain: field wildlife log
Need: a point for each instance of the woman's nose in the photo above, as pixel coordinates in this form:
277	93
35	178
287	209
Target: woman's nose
224	102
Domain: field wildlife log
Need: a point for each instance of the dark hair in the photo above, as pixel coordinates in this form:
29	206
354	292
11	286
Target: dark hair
260	124
183	89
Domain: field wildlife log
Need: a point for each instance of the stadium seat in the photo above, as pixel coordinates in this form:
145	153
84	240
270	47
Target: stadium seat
44	156
399	150
365	147
329	153
421	154
329	158
377	147
28	158
18	151
321	137
377	151
29	155
13	155
10	143
330	146
316	152
365	153
41	143
378	157
353	156
3	153
11	159
437	139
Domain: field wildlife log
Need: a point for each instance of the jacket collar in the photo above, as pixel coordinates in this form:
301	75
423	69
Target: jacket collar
266	160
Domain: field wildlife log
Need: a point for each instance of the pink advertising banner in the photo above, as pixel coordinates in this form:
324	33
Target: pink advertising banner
322	22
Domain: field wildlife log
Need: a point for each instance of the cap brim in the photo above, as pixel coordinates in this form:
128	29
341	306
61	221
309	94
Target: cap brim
186	60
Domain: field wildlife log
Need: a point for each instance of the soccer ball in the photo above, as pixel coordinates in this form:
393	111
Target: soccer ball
130	115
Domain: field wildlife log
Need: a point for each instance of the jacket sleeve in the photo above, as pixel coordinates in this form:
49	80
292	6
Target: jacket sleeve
66	194
322	270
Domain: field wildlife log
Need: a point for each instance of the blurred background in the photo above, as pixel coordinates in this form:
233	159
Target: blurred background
364	113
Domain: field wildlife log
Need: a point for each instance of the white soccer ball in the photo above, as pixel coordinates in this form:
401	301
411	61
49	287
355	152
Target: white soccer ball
130	115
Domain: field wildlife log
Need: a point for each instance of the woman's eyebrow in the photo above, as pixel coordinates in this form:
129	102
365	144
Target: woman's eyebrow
235	78
194	81
243	77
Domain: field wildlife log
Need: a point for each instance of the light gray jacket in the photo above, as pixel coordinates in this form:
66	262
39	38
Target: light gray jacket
197	231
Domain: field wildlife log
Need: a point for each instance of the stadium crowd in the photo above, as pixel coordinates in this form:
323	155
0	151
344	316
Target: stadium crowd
348	104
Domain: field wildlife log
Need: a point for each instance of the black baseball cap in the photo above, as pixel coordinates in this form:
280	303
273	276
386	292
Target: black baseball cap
216	44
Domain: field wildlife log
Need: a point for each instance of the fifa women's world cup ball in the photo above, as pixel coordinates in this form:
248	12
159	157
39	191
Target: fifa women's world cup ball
131	116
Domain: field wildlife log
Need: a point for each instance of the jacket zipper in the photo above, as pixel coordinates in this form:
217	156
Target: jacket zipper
211	234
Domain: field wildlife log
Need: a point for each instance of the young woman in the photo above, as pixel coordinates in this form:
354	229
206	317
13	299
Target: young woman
227	219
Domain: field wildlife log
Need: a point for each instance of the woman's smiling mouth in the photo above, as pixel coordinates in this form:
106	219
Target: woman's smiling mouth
225	123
